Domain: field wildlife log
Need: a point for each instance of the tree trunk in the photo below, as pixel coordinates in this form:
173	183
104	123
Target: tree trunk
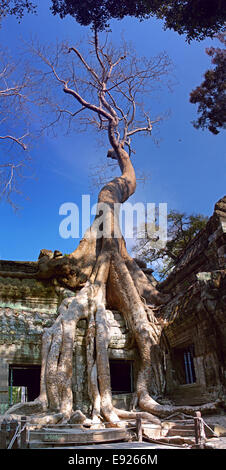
106	275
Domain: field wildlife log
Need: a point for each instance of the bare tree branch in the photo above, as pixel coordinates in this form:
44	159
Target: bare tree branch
85	103
15	118
110	84
18	140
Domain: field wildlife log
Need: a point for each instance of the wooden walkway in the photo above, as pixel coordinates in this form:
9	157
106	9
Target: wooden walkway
170	435
109	438
118	446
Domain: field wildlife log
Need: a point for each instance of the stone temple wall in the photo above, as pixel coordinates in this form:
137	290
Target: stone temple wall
27	306
195	317
193	340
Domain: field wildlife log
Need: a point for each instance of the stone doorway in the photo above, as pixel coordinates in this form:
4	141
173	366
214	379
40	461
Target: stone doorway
27	377
183	365
189	366
121	376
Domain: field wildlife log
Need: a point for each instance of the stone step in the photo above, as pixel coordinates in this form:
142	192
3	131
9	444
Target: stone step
179	425
188	427
175	440
181	432
181	440
185	430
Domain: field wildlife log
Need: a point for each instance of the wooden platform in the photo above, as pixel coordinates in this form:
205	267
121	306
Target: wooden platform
106	438
52	437
123	445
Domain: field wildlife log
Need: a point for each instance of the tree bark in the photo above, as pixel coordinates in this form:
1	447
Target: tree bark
106	276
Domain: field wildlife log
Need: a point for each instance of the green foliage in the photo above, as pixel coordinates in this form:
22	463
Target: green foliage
196	19
15	394
181	229
210	95
16	7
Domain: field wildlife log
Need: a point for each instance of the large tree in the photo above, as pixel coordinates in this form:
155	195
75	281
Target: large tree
210	95
181	230
196	19
100	273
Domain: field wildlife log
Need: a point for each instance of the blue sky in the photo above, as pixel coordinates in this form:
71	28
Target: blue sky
187	168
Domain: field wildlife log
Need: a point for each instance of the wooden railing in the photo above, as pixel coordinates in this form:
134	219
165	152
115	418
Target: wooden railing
15	434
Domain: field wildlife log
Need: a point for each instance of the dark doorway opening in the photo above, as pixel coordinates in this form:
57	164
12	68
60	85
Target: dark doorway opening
189	366
183	362
121	376
26	376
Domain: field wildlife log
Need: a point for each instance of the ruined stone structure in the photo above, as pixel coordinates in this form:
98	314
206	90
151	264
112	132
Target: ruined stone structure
196	314
26	307
193	340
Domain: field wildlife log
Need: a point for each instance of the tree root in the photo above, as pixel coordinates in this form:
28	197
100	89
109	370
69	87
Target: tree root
107	276
55	403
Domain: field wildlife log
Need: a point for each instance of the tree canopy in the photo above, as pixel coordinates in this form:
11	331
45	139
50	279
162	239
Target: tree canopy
196	19
16	7
182	228
210	95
